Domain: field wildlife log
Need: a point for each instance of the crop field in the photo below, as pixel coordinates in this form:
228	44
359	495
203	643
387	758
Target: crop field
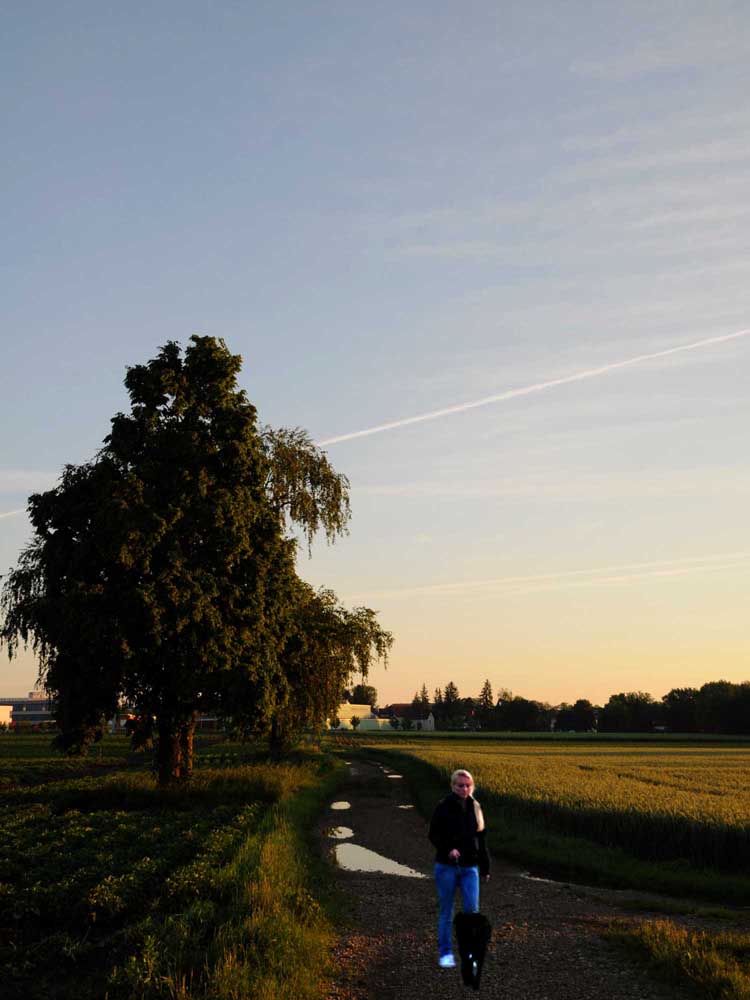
110	887
684	806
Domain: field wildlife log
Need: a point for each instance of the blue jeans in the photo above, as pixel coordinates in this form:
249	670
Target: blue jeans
448	878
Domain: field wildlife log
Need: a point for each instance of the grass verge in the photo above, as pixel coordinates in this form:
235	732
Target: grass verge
259	926
715	966
114	889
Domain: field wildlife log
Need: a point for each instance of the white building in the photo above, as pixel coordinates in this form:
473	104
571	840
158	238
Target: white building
368	720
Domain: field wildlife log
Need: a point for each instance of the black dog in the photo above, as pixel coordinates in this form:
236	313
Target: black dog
473	932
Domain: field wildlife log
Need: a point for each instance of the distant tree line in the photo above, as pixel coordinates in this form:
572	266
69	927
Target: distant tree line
716	707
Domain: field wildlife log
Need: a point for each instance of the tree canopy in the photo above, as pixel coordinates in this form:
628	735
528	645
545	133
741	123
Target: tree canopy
162	571
363	694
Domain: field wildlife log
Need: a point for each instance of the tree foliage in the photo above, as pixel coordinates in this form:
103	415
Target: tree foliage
325	644
302	485
163	570
579	717
364	694
632	711
485	706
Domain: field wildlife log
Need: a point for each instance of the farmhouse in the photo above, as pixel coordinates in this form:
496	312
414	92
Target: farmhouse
409	716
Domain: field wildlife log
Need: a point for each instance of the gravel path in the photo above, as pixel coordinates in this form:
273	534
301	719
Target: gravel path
545	944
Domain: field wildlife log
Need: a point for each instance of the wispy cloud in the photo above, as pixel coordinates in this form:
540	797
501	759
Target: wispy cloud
593	576
713	153
536	387
579	487
11	513
454	249
710	215
25	481
715	38
704	122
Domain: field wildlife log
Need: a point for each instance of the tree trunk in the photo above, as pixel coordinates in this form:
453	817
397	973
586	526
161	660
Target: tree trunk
275	740
187	733
169	752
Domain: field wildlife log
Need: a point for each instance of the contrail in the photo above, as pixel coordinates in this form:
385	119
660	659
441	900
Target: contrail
537	387
11	513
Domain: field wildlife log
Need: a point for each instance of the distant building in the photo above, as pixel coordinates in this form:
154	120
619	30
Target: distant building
34	710
414	717
369	722
119	723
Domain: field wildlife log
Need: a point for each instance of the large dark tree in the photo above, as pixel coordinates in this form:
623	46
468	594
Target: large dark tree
580	717
629	712
680	707
163	571
523	715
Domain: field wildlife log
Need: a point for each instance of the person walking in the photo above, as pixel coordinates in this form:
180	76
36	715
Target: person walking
458	833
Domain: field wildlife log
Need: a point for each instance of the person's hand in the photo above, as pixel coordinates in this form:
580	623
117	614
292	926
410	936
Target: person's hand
455	854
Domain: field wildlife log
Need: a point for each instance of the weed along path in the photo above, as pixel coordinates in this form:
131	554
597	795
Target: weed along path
546	943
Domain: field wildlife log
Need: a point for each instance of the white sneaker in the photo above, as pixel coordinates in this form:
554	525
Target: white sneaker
447	962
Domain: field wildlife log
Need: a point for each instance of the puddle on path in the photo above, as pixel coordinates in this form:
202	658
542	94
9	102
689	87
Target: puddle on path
406	807
340	805
340	832
353	858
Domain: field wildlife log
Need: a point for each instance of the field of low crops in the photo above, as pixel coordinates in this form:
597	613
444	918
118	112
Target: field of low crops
110	887
683	805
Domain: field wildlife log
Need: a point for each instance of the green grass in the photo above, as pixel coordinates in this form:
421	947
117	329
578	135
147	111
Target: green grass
682	907
113	888
347	738
715	966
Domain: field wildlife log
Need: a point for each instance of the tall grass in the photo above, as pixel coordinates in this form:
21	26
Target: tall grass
717	966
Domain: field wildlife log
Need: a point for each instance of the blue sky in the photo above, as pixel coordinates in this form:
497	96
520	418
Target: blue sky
393	211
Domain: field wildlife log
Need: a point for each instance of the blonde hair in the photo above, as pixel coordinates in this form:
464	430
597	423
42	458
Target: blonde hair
461	773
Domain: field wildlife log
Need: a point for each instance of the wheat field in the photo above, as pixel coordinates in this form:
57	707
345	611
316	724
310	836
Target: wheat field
658	802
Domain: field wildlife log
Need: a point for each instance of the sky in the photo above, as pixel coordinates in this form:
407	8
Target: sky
525	223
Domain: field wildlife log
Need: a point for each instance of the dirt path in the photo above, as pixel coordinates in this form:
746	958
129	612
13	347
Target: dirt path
545	943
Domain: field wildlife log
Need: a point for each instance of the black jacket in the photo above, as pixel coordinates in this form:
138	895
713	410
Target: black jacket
453	826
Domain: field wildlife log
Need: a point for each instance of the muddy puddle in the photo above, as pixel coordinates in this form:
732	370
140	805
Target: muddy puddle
353	858
340	832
